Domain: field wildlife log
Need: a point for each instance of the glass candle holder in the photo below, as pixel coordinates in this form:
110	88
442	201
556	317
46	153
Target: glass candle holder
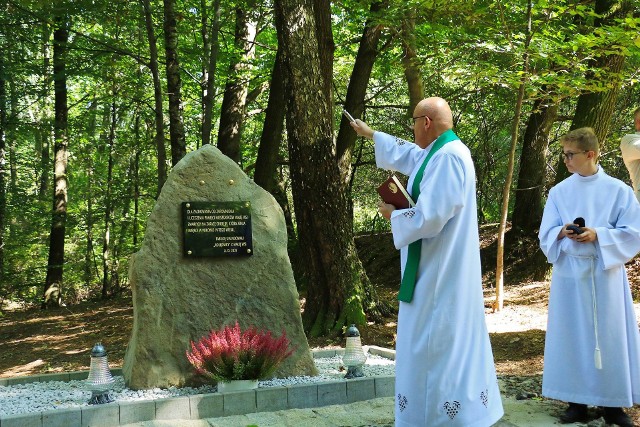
354	356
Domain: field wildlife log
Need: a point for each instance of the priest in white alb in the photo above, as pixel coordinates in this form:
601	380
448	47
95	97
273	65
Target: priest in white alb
630	149
590	229
445	374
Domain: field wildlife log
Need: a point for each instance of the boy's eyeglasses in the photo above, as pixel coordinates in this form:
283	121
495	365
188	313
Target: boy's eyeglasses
569	155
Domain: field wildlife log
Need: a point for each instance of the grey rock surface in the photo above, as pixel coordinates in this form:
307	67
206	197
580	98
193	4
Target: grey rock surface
177	299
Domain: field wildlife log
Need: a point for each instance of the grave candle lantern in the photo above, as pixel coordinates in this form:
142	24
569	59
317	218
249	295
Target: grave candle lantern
100	379
354	356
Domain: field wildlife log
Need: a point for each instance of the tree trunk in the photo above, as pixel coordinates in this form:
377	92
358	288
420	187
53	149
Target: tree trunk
266	169
3	159
53	283
528	205
211	46
335	279
123	233
174	83
235	92
88	256
357	90
108	207
11	138
44	127
499	302
136	185
157	97
595	109
346	139
410	62
266	162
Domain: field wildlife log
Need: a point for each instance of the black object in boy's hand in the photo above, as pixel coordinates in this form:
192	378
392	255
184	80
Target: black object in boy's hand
577	228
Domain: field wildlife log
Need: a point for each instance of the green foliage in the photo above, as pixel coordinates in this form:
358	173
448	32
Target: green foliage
469	52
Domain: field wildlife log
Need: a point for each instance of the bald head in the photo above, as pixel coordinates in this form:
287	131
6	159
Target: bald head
438	110
440	120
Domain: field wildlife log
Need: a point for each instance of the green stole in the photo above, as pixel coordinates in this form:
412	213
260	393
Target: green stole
408	283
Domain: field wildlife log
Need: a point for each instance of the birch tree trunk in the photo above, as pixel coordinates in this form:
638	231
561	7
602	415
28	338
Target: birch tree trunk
89	256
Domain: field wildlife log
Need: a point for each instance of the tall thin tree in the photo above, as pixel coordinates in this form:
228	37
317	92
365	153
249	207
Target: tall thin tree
234	101
108	202
44	131
91	131
157	97
3	159
174	83
499	302
52	293
211	47
357	88
272	130
412	73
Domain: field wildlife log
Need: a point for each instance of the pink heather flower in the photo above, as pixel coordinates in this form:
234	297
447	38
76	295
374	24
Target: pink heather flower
230	354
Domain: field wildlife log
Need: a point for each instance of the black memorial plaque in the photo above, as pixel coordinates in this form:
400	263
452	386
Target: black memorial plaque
217	229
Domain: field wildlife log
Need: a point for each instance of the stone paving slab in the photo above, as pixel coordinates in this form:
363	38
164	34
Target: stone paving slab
207	405
377	412
357	402
208	410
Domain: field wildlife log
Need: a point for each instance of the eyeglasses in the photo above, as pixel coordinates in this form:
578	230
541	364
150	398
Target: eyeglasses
412	122
569	155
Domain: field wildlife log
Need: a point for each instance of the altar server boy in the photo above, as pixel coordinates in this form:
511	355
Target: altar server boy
592	348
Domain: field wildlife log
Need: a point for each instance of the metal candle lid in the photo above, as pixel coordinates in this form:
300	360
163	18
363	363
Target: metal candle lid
352	331
98	350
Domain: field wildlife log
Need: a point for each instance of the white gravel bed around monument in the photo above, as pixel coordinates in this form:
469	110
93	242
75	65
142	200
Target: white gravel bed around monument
45	396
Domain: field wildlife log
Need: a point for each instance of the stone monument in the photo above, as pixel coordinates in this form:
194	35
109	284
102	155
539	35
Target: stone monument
182	290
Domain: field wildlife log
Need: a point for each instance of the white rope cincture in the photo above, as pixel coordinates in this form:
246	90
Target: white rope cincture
596	356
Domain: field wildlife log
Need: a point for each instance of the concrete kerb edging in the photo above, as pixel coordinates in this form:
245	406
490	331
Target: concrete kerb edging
209	405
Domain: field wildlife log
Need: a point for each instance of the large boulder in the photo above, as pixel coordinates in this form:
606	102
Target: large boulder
177	298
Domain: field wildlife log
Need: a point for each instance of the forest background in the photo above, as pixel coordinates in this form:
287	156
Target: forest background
99	99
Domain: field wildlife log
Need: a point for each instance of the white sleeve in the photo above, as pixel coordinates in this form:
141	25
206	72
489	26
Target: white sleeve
442	196
550	229
396	154
621	242
630	147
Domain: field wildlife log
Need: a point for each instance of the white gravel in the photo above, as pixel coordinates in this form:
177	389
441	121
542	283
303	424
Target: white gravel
36	397
45	396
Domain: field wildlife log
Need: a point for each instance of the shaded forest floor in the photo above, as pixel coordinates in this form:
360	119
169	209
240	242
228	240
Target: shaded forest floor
34	341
